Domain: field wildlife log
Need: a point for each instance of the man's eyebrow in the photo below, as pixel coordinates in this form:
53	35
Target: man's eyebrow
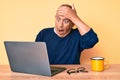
62	16
57	17
67	19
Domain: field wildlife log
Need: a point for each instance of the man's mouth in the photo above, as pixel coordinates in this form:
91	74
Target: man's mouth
60	30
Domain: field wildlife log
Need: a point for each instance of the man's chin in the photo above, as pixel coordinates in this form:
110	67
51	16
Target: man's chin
62	35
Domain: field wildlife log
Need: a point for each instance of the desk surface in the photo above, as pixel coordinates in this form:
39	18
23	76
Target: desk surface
113	73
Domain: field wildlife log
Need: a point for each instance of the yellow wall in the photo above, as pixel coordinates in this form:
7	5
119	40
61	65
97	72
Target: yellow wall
21	20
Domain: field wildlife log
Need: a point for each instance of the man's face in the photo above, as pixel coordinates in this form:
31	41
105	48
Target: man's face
62	25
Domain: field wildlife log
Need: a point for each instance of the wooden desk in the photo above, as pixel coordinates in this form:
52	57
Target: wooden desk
113	73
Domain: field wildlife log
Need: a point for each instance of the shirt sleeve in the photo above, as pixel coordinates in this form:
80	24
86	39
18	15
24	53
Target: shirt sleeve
89	39
39	37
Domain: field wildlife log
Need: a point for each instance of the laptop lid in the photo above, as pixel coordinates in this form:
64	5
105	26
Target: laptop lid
28	57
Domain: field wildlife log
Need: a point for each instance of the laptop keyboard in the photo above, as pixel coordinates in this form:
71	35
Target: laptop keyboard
52	71
55	70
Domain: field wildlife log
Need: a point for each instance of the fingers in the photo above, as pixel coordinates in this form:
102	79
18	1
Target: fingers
66	12
60	12
73	7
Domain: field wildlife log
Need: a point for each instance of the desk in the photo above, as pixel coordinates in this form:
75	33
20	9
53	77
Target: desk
113	73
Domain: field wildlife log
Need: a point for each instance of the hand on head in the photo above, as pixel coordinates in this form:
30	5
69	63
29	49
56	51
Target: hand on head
67	11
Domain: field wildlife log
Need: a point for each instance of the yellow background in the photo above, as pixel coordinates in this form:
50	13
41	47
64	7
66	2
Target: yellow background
21	20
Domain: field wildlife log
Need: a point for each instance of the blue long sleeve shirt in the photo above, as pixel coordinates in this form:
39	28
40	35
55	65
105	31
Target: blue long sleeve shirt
66	50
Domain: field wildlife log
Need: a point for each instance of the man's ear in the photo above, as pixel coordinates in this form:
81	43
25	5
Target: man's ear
72	24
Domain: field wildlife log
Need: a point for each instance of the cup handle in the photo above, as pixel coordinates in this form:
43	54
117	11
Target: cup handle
106	64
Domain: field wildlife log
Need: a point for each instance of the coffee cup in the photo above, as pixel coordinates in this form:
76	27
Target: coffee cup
98	64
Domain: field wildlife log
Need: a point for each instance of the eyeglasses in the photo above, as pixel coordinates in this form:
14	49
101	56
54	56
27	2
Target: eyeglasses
78	70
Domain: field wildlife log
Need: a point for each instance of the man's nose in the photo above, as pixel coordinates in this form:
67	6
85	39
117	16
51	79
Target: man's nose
61	24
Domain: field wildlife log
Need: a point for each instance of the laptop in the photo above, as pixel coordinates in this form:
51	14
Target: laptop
30	57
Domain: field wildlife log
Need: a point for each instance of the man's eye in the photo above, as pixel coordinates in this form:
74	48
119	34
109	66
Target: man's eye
66	21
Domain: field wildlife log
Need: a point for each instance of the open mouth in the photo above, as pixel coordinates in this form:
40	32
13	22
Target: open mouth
60	30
